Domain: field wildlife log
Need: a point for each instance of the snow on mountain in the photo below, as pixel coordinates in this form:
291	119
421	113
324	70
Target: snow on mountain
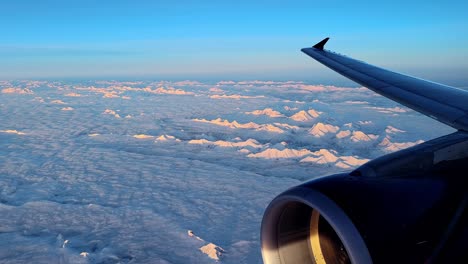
393	130
190	233
365	122
216	90
12	90
361	136
73	95
57	102
226	83
267	111
143	136
348	162
286	126
188	83
320	129
303	116
234	96
200	141
273	153
11	131
356	102
38	99
314	113
111	95
288	108
111	112
235	124
324	156
388	110
163	138
269	128
392	147
171	90
222	143
343	134
211	250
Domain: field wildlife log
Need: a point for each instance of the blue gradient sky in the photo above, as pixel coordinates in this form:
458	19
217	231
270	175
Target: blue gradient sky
235	40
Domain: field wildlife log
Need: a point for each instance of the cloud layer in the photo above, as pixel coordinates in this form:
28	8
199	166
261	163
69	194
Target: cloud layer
109	171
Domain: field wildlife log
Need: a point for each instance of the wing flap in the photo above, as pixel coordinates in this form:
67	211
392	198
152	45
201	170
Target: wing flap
441	102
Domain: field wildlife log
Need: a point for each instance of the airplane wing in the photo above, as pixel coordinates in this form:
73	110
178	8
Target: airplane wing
444	103
408	206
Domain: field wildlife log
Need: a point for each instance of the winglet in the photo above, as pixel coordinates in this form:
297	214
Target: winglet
321	44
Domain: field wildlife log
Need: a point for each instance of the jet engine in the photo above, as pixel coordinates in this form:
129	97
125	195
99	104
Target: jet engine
405	207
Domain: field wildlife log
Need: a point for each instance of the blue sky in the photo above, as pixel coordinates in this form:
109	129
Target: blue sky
228	40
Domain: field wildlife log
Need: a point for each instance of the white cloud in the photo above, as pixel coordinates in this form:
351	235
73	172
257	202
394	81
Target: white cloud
92	170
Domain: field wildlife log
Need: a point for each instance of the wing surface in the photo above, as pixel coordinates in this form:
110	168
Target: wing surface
444	103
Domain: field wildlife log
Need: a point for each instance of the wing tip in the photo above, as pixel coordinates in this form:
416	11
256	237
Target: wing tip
321	44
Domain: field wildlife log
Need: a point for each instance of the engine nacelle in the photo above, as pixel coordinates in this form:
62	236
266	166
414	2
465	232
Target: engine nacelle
354	219
405	207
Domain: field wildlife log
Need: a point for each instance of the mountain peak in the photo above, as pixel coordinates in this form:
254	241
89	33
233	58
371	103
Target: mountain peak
320	129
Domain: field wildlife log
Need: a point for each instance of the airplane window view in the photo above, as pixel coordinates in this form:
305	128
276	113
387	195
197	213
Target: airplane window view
233	132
